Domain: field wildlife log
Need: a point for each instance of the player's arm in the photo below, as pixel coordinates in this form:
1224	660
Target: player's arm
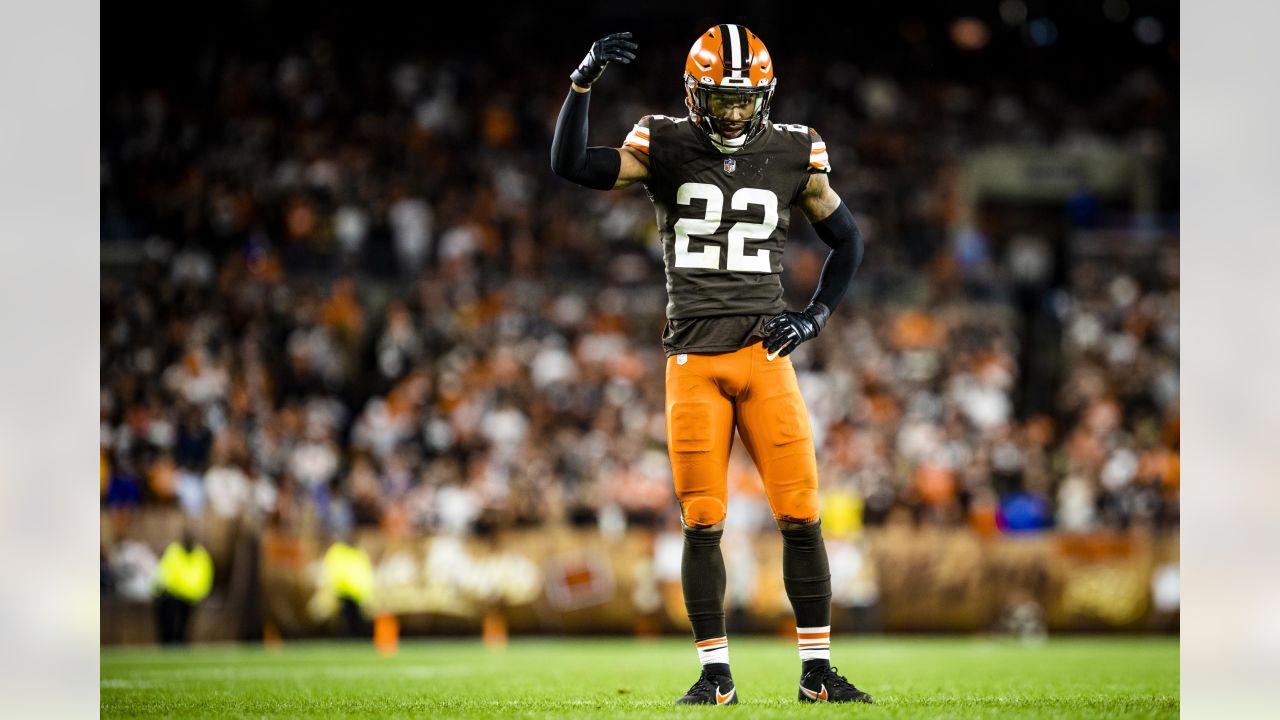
599	168
634	167
834	224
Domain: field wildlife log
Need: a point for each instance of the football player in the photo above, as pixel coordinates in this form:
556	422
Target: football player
723	180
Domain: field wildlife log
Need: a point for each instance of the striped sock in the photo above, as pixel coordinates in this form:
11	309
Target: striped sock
814	642
713	651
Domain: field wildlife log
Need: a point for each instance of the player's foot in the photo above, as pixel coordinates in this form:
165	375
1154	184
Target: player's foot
711	690
824	684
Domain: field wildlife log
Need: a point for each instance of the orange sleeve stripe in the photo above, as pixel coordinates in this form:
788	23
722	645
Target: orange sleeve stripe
642	148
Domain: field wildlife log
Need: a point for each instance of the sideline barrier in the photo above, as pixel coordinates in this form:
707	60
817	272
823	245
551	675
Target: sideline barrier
575	581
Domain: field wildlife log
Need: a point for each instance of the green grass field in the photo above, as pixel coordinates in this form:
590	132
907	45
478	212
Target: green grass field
909	677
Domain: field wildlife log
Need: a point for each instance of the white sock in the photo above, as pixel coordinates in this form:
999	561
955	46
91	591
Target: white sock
713	650
814	642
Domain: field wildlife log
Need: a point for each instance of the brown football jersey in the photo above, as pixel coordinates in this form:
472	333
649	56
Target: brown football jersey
723	220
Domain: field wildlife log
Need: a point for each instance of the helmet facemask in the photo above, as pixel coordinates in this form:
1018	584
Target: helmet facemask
710	108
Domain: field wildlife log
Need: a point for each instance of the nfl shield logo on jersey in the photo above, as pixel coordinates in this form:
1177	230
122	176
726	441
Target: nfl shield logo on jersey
730	165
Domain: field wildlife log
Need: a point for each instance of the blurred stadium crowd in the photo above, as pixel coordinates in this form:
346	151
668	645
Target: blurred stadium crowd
345	290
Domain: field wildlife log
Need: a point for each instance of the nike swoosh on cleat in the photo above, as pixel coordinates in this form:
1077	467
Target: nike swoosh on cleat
821	696
722	699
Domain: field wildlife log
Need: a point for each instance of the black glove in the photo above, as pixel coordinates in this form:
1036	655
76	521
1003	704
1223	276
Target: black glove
785	331
611	48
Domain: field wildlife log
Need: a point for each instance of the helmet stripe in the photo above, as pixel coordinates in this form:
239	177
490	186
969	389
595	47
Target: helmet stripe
735	50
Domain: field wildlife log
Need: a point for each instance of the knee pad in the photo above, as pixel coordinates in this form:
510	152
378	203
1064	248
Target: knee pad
701	511
796	506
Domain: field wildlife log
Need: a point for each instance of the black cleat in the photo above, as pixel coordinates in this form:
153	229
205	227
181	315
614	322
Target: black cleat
711	690
824	684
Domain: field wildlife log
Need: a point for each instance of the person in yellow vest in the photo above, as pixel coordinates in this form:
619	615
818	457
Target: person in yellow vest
348	575
183	578
842	512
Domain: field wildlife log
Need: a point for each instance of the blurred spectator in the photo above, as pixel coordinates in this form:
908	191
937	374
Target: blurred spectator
353	295
345	588
132	566
183	578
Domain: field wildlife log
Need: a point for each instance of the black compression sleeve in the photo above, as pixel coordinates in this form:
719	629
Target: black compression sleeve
702	578
571	159
806	574
841	234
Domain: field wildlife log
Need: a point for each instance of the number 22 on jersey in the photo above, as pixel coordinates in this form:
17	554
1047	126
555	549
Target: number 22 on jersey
736	259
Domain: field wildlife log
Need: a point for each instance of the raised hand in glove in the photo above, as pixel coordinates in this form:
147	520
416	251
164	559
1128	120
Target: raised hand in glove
611	48
785	331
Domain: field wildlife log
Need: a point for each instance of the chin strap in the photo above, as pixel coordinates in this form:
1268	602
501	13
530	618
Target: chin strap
728	146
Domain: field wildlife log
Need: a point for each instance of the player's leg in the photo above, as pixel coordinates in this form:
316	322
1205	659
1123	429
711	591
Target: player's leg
774	424
161	608
699	435
183	622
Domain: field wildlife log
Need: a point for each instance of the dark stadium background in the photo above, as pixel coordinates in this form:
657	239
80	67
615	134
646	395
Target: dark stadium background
218	118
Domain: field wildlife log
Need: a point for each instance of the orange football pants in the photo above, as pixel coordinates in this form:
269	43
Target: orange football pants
707	395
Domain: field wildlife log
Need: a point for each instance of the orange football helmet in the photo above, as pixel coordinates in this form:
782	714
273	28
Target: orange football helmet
728	66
